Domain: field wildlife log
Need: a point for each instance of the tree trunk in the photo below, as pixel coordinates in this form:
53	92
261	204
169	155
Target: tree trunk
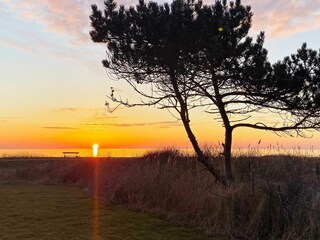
228	131
205	160
227	154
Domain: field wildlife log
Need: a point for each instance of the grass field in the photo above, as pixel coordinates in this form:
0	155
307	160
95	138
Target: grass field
272	197
65	212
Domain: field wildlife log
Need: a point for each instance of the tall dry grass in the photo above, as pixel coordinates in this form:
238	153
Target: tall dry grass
275	197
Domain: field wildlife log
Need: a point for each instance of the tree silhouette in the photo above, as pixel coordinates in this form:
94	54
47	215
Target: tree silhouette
200	56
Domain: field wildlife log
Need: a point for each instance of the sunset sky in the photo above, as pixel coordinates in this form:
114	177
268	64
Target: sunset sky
53	85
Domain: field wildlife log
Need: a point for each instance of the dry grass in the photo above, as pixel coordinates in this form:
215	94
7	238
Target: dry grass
274	197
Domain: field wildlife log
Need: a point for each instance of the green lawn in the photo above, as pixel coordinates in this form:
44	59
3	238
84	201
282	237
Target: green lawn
62	212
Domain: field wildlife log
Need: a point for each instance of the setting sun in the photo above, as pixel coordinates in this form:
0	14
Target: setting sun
95	148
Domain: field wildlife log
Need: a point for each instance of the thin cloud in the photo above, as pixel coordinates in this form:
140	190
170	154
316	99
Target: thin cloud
76	109
65	25
54	28
95	124
17	45
284	18
99	118
96	113
10	117
7	119
39	45
67	18
164	124
104	117
71	18
61	128
67	109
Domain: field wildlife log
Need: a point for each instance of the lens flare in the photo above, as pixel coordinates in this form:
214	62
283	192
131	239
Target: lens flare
96	234
95	150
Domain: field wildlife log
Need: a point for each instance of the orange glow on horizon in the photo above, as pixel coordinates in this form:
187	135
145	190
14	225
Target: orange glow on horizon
25	135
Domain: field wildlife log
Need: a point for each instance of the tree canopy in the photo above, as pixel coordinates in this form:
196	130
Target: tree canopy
193	55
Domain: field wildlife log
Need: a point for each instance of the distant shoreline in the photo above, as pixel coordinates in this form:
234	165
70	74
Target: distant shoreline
137	152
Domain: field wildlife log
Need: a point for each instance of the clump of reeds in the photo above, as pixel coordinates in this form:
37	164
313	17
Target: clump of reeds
273	197
23	154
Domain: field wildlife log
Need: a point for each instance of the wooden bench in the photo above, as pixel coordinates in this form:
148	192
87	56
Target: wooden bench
75	154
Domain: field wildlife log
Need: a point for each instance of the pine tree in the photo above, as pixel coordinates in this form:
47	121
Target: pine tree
200	56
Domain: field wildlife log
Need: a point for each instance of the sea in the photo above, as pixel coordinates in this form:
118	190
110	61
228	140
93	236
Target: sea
137	152
83	152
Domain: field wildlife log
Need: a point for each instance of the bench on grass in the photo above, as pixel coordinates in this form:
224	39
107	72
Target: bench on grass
75	154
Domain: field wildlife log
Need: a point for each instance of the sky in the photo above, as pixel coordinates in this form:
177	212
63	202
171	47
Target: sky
53	85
